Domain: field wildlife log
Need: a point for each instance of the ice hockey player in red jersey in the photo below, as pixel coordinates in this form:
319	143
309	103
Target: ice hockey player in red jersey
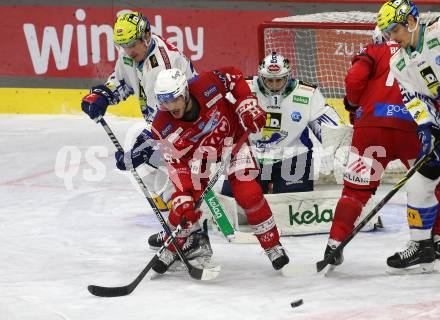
383	131
194	125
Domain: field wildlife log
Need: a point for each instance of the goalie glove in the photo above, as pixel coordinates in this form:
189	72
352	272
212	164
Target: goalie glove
96	102
251	115
351	108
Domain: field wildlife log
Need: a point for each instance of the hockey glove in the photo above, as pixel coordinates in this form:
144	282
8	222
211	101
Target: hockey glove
183	206
96	102
428	133
144	151
351	110
251	115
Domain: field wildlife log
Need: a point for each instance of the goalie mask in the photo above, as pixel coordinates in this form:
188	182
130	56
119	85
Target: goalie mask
170	84
130	27
275	74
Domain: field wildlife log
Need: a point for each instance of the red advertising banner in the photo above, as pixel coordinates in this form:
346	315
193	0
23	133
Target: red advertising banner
77	41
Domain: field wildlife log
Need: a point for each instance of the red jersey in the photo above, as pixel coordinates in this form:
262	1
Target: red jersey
203	138
370	85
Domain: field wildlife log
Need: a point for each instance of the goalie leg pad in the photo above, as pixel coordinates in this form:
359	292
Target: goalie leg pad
348	209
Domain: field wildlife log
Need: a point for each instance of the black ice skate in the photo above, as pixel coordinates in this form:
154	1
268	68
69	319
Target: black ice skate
156	240
277	255
196	247
437	249
419	257
338	258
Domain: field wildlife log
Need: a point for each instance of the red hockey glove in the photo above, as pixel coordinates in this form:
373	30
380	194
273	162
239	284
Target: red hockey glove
351	110
183	206
252	116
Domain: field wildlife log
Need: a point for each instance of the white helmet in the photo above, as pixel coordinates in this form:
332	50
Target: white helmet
275	66
170	84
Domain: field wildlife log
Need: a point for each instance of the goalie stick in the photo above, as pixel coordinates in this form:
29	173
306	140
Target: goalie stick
300	269
196	273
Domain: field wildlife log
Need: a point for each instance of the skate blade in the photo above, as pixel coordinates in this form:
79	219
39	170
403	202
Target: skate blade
416	269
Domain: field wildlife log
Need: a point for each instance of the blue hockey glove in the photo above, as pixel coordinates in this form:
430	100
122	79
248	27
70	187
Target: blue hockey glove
96	102
145	150
428	133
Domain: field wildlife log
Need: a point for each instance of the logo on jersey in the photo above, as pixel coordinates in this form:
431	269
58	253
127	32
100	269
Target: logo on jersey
128	61
300	99
211	90
358	170
208	127
433	43
166	131
270	141
273	121
153	61
211	102
431	80
273	124
401	64
392	110
296	116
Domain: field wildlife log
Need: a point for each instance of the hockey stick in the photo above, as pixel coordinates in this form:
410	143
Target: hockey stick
224	225
199	274
295	269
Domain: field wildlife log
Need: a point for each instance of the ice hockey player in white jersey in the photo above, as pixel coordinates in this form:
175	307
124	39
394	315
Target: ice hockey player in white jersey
416	67
142	55
294	110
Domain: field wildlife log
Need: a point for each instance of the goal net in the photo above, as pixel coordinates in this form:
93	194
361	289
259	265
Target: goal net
320	48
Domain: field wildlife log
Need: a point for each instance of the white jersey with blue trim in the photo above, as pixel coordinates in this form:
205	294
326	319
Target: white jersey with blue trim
131	78
418	74
290	117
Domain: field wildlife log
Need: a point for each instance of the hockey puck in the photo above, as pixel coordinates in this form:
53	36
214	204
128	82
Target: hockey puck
296	303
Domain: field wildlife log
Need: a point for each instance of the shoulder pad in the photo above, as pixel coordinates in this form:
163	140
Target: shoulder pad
435	21
307	84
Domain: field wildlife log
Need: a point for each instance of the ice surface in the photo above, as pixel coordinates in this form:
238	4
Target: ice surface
56	238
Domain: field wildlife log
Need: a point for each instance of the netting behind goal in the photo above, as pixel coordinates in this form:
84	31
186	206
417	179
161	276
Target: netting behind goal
320	48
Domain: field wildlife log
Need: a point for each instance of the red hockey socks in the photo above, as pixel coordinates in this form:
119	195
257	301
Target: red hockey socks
249	196
348	209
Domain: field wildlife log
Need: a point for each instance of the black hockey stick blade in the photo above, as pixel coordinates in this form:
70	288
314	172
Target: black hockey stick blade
123	290
195	272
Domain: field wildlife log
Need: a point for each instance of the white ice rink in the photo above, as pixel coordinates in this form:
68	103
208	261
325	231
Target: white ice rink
59	235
